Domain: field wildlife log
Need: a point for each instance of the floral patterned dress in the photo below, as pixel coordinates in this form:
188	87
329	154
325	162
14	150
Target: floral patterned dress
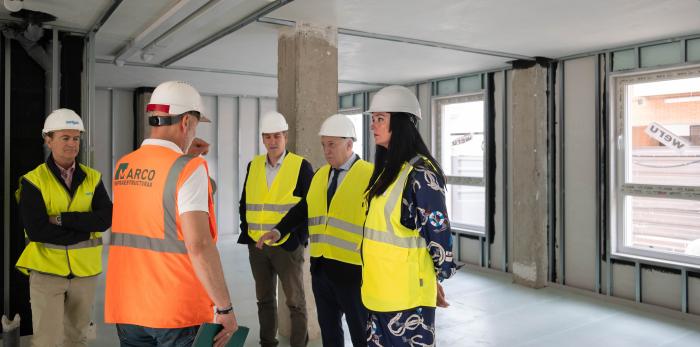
423	206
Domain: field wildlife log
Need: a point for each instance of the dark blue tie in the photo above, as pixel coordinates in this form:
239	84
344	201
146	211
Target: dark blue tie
333	186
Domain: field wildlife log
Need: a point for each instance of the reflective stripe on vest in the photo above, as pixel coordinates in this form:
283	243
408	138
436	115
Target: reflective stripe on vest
282	208
170	242
266	206
398	271
82	259
335	229
82	244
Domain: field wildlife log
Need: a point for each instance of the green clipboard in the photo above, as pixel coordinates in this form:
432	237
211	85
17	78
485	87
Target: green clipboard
207	331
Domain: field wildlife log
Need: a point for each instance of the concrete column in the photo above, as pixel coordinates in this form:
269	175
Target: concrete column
307	86
307	92
529	143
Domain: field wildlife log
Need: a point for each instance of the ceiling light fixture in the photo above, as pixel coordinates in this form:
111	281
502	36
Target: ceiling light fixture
14	5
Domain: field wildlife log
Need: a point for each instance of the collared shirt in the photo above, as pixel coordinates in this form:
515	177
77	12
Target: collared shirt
272	170
343	170
67	174
194	193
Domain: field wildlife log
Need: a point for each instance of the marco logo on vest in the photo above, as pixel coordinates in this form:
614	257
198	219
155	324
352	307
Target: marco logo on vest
126	176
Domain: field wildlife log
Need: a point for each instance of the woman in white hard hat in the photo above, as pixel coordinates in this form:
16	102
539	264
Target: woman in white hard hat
64	208
407	246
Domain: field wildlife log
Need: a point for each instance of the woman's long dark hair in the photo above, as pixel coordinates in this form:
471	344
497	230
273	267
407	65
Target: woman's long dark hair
405	143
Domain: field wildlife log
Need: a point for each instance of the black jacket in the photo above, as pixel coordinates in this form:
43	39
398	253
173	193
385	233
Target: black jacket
76	226
299	233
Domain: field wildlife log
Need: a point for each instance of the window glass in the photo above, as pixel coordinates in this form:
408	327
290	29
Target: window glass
462	140
663	132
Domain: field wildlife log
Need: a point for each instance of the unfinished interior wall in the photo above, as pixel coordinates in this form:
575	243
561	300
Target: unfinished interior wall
649	281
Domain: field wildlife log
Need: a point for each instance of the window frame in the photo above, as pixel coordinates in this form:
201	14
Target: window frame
365	128
437	102
620	138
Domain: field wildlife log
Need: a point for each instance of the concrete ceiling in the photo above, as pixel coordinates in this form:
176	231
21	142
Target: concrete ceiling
244	62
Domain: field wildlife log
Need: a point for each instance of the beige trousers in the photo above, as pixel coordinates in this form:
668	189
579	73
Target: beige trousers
61	309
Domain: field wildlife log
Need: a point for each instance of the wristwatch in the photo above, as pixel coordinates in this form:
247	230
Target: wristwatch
226	310
58	220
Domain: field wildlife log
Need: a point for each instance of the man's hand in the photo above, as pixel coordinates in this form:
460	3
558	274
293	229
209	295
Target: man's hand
53	220
272	236
230	326
441	302
198	147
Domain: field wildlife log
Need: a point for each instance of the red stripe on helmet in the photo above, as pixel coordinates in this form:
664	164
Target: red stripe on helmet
158	107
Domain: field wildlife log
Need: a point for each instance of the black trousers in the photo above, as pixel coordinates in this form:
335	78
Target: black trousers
333	299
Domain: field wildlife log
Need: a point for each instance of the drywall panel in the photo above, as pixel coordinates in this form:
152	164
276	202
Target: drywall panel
470	251
693	50
579	173
663	54
227	150
661	288
208	132
623	281
248	136
101	132
122	123
425	125
267	105
694	295
370	138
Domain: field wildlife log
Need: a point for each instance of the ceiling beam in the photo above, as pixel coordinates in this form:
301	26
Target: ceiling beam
105	16
393	38
224	71
194	15
172	18
226	31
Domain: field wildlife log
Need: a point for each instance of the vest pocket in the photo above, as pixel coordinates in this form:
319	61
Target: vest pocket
391	277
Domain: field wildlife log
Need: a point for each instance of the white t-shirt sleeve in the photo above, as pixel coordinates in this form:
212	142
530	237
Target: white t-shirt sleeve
194	193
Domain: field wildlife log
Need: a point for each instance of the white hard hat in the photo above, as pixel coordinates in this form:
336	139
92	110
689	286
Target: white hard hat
62	119
273	122
338	125
176	97
395	99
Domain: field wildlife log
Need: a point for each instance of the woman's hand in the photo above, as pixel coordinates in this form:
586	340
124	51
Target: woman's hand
441	301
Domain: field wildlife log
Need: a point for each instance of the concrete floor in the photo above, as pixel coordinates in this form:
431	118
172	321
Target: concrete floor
486	310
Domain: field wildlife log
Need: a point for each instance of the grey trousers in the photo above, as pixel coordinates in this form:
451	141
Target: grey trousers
267	265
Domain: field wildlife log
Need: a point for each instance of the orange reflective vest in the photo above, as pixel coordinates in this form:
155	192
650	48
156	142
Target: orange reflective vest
150	279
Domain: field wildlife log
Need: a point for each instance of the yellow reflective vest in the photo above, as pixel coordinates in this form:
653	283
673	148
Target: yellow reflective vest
336	232
264	207
397	272
82	259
